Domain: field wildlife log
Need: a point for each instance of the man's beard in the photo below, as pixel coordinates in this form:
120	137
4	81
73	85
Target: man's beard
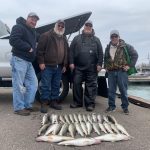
87	31
60	33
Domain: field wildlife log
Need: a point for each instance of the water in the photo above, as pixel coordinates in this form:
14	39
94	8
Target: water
140	90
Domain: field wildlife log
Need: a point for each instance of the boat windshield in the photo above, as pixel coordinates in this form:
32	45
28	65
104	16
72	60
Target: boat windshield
4	29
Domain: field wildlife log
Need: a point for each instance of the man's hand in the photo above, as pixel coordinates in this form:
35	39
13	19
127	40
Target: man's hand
31	50
72	66
42	66
99	68
63	69
126	68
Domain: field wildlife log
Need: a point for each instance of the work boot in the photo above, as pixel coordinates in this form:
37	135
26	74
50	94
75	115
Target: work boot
73	105
22	112
126	111
90	108
110	109
44	108
32	109
55	105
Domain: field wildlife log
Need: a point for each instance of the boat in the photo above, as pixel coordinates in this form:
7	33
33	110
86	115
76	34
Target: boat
140	77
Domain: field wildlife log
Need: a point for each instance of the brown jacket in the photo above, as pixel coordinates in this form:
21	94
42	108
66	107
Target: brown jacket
48	51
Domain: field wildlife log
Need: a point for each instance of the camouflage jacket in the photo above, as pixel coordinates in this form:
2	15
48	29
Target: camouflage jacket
120	57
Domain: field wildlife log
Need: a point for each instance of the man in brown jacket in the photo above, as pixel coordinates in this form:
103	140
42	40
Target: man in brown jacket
52	58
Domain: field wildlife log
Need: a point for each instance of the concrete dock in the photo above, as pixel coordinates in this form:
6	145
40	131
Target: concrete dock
19	132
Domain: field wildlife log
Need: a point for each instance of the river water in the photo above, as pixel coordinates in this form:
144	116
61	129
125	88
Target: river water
140	90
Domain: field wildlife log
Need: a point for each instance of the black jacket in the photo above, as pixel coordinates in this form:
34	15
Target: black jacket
86	49
22	39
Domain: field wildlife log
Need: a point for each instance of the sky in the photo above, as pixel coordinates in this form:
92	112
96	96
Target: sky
129	17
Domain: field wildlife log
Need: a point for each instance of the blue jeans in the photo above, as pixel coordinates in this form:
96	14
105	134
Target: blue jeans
24	83
120	79
50	83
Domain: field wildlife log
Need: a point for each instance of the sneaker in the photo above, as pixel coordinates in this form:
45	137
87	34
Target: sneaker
89	108
55	105
32	109
22	112
110	109
44	108
126	111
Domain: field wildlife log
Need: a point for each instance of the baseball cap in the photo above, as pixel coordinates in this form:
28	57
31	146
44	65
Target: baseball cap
33	14
116	32
89	22
61	21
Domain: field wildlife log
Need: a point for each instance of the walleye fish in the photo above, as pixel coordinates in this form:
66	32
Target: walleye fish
61	118
72	130
53	138
96	128
80	117
67	119
111	119
45	119
114	128
75	118
79	129
102	127
85	118
84	128
71	118
64	129
89	127
43	128
107	127
81	142
113	137
89	118
51	129
122	129
57	128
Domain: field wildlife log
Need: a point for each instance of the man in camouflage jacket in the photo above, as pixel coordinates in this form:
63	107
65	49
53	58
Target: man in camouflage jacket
116	65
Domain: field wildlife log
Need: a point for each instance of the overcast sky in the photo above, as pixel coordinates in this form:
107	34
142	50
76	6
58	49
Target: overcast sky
130	17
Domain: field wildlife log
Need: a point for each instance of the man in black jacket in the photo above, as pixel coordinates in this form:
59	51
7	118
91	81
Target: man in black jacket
23	42
86	57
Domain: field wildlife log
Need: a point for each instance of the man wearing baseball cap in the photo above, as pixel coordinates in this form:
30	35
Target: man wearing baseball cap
52	58
86	57
24	81
116	65
33	14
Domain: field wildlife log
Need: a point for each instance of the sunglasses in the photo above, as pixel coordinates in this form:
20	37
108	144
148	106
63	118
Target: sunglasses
88	25
114	36
60	26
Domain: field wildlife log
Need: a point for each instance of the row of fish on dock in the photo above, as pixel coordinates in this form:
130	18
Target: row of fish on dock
62	129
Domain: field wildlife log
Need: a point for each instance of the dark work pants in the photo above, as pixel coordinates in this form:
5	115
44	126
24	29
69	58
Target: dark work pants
90	77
